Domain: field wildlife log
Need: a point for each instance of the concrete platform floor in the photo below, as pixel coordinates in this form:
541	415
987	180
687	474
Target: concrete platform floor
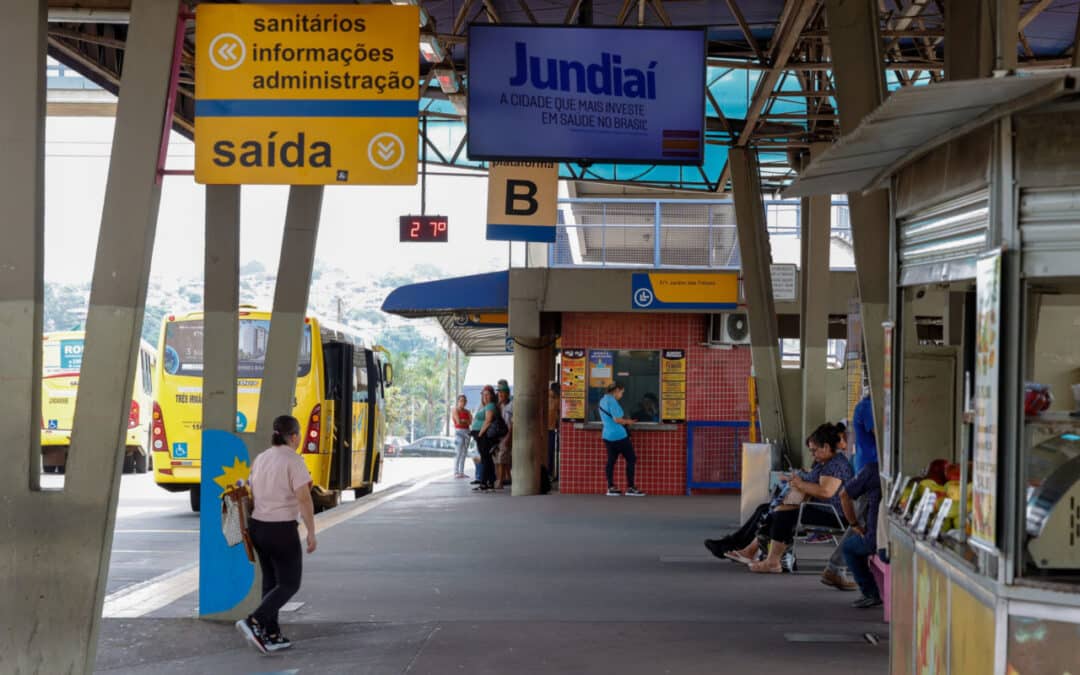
443	580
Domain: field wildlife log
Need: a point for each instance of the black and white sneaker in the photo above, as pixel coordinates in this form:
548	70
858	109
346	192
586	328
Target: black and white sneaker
867	603
251	630
788	563
614	492
634	492
277	642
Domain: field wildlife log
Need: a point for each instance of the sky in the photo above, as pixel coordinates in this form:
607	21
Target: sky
358	232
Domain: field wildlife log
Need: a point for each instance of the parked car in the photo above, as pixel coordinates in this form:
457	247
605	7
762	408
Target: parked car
430	446
393	445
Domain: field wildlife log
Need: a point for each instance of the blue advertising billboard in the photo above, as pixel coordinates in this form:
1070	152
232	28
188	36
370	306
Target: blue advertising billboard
626	95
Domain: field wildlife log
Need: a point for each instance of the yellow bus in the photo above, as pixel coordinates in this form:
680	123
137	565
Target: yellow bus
339	400
61	361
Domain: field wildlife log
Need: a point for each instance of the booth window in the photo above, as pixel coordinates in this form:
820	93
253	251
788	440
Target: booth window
1050	539
935	429
637	370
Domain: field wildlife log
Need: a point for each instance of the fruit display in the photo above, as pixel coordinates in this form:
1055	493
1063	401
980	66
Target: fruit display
942	477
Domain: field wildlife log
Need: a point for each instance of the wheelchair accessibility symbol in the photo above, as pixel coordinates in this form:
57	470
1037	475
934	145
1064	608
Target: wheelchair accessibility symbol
643	297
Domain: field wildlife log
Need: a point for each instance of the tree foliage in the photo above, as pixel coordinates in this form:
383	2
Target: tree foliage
417	402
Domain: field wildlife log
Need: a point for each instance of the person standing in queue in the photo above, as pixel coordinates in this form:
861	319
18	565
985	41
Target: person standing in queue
503	451
481	421
617	441
281	487
463	419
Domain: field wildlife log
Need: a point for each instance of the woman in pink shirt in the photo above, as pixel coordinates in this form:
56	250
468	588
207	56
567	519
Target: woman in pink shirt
281	489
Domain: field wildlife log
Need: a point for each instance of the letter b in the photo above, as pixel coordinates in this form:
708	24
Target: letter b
521	191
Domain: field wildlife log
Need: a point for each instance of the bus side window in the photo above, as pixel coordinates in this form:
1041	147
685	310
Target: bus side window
147	376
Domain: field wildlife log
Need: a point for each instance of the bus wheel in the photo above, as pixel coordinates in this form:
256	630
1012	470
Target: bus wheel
362	491
194	494
140	462
129	460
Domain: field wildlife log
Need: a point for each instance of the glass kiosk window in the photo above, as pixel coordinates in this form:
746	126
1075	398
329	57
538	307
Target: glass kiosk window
936	341
1050	538
637	370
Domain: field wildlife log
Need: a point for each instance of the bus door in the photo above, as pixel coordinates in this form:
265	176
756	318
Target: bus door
372	410
338	359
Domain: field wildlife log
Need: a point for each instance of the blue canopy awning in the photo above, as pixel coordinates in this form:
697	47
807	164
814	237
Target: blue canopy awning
475	293
472	309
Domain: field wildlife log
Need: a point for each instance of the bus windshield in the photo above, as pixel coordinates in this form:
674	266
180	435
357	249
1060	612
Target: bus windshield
184	348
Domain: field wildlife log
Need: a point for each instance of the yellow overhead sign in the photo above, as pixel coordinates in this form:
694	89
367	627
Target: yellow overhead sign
306	94
523	201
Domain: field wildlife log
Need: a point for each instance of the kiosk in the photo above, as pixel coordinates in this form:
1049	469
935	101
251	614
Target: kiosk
980	438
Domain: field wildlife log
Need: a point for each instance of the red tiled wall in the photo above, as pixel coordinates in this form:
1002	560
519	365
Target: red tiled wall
716	390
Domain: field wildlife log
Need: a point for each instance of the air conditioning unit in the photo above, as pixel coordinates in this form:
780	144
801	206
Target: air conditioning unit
729	328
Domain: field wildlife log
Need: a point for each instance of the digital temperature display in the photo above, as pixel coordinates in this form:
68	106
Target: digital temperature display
423	228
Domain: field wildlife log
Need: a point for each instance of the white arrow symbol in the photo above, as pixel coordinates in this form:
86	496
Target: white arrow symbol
386	151
227	51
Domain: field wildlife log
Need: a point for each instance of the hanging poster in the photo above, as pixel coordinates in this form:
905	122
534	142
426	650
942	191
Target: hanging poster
572	381
673	385
886	454
985	447
601	365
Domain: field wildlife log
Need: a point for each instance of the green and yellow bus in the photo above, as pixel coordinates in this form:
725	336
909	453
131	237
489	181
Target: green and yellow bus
61	364
339	400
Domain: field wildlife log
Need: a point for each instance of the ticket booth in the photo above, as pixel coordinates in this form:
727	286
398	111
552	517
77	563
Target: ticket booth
683	392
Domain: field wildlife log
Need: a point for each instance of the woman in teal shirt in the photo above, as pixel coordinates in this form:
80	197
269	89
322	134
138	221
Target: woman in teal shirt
617	440
481	420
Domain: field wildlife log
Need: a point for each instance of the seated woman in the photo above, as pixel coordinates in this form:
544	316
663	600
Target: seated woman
821	485
758	522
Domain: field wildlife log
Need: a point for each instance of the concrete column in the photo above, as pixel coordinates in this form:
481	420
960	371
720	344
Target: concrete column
52	616
290	308
22	193
221	297
221	333
756	255
860	88
816	239
981	36
969	50
529	448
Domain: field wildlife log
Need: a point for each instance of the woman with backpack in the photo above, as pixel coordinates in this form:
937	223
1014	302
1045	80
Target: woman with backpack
487	419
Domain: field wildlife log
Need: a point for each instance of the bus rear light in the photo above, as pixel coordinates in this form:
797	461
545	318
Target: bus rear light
157	429
314	429
167	472
133	415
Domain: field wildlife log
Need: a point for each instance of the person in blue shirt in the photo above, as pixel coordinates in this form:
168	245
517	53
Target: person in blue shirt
617	440
862	420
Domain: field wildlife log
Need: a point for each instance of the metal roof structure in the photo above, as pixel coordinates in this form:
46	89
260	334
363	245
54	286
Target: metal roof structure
769	82
914	121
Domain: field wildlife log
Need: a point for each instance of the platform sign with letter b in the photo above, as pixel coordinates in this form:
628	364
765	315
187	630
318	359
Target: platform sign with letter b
522	201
